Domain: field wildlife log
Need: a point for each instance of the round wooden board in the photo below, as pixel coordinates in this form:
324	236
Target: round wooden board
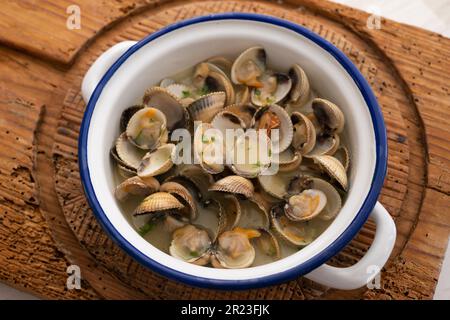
400	195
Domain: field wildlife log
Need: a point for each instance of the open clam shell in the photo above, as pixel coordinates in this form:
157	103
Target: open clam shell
137	187
234	250
334	201
158	202
191	244
304	133
275	87
147	129
343	155
253	215
209	148
126	116
250	154
201	179
244	112
277	184
234	185
227	120
242	95
169	104
127	153
217	81
325	145
206	107
329	115
223	63
156	162
275	117
267	244
334	168
249	66
231	207
300	91
305	205
288	160
184	195
295	233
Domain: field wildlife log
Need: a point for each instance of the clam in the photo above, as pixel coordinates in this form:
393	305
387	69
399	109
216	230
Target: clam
231	207
249	67
206	107
234	185
147	129
201	71
274	117
304	133
242	95
305	205
217	81
288	160
156	162
244	112
183	195
277	184
127	153
343	155
300	91
126	116
221	62
334	168
191	244
275	87
197	176
234	250
171	106
250	155
294	232
158	202
253	214
209	148
136	186
267	242
211	216
328	115
227	120
182	92
334	202
325	145
125	172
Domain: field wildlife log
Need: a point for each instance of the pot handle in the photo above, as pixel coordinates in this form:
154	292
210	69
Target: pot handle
100	66
365	270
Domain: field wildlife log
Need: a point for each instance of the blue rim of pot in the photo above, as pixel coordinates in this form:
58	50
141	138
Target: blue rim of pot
294	272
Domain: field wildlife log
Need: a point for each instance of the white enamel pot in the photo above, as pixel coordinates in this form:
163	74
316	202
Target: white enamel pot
121	75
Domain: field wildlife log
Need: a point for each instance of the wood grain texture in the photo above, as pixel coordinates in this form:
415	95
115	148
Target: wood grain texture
404	65
40	28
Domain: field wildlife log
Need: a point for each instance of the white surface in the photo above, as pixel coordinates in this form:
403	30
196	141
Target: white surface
432	15
284	47
443	287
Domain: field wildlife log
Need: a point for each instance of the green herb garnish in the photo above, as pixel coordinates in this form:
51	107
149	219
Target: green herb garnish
270	152
185	94
257	92
146	228
194	254
204	90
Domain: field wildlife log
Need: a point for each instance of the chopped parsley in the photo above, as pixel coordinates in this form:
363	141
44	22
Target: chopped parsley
257	92
205	139
194	254
204	90
146	228
185	94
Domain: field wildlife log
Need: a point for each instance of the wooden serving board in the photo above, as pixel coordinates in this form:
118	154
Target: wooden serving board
46	224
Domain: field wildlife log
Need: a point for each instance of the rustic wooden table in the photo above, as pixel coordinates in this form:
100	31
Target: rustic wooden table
45	223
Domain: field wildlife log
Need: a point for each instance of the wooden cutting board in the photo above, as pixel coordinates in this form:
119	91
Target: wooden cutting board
46	224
